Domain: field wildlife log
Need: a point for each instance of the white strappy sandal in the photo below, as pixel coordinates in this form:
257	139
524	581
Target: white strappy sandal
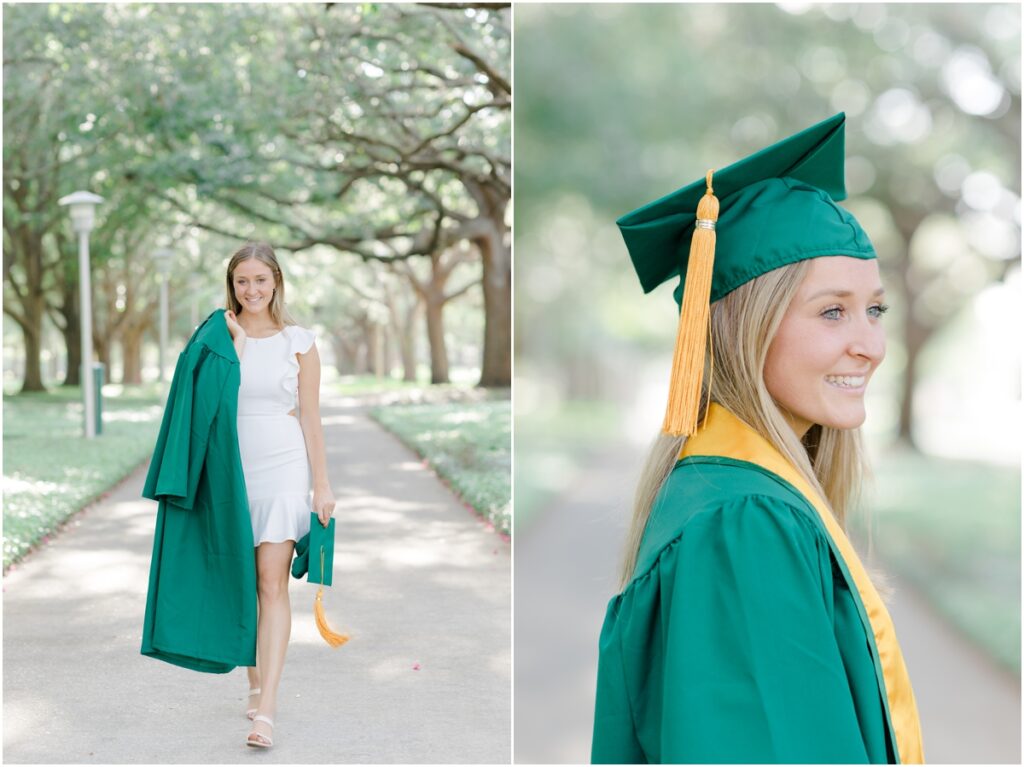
251	712
259	740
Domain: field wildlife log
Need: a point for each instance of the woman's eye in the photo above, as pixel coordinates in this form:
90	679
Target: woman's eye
878	310
832	313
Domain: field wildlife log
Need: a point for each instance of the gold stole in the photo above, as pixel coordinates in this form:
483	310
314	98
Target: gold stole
726	435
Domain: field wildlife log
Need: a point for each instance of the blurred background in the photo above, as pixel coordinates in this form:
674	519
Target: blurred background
618	105
369	144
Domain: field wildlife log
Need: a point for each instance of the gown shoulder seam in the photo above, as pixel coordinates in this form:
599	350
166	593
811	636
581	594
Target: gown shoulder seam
799	513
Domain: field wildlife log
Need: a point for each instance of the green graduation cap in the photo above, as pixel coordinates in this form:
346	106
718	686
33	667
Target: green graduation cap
314	557
773	208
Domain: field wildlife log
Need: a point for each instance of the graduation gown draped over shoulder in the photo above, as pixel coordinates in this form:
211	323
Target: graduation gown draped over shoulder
749	631
201	605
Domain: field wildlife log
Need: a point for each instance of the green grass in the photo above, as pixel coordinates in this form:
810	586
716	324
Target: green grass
366	384
354	385
952	528
468	444
51	471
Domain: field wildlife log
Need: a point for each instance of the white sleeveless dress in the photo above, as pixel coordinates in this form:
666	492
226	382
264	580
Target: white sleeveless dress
273	450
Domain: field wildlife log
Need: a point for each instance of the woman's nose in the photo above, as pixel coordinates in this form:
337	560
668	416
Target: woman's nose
868	341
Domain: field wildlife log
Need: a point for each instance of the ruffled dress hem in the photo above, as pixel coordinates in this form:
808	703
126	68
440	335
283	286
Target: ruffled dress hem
279	518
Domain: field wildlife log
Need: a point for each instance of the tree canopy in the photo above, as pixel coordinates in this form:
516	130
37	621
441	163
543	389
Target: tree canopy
376	133
619	104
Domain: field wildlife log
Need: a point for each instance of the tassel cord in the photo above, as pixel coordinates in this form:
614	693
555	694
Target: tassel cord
694	322
333	638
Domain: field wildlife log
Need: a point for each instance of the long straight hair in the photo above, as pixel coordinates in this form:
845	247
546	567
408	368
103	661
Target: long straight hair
743	324
261	251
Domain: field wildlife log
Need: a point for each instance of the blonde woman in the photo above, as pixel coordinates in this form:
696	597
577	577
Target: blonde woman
280	439
747	630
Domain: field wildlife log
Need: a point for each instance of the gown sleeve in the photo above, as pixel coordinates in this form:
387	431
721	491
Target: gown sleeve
727	644
192	404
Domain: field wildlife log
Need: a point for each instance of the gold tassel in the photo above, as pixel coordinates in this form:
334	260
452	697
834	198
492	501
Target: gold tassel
694	322
334	639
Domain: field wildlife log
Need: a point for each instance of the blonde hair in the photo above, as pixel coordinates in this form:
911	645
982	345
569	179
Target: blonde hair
743	323
261	251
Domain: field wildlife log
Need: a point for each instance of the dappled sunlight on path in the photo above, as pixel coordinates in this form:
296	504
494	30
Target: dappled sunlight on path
419	583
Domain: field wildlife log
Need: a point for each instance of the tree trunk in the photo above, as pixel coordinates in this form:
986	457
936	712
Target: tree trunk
387	345
403	330
915	335
377	350
407	342
25	226
107	321
362	355
344	354
431	292
366	353
407	347
496	367
492	200
103	354
435	334
906	421
72	333
31	301
54	368
33	379
131	344
73	345
65	314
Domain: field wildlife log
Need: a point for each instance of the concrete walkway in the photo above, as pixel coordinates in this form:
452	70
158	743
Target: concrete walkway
566	566
418	582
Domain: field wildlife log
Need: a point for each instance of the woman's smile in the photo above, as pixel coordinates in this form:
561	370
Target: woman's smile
830	341
849	383
249	275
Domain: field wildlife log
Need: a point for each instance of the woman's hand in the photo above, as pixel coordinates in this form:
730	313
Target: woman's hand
323	504
236	330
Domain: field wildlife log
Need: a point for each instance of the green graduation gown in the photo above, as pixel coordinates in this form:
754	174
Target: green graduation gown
201	605
742	636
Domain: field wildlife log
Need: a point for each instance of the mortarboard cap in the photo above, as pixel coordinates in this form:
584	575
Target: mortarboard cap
314	557
773	208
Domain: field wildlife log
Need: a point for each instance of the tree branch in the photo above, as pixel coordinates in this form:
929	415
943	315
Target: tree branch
468	6
501	84
456	293
15	315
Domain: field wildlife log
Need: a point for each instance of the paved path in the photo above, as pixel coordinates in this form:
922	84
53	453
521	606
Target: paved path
418	580
565	573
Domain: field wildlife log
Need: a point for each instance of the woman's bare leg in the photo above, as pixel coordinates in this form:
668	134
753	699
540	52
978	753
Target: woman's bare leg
254	684
273	562
252	671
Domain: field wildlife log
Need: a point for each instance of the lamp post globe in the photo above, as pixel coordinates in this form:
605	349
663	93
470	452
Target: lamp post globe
82	206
